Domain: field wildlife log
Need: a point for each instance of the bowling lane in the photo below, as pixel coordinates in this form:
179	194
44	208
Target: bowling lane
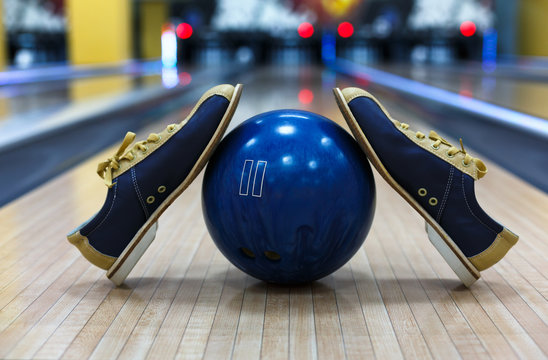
183	291
512	86
21	98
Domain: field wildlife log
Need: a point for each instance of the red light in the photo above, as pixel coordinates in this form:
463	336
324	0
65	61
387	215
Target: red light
466	93
468	28
306	96
363	81
305	30
185	78
184	30
345	29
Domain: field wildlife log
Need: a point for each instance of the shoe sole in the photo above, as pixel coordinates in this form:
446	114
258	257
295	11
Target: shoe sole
448	249
123	265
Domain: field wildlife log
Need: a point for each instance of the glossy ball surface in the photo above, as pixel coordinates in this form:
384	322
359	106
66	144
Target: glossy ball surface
288	197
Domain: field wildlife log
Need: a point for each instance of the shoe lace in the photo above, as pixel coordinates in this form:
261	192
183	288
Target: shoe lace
106	168
453	150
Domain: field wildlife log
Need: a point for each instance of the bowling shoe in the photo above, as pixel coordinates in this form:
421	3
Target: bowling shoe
437	180
143	180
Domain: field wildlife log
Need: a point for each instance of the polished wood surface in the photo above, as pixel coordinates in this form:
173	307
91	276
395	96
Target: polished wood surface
396	298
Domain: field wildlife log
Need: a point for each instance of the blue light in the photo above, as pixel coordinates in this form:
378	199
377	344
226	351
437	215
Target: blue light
489	53
328	48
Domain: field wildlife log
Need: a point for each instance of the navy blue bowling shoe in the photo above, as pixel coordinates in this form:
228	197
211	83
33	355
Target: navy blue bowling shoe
436	178
145	179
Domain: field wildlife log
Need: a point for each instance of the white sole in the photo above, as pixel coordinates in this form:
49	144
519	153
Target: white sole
125	268
449	256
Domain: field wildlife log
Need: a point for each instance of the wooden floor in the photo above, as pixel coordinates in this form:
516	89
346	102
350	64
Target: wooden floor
395	299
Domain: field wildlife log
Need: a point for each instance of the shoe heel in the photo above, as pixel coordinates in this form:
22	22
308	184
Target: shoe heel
455	262
119	271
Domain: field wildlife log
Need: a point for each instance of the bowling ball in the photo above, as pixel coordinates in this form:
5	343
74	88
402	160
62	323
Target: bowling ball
288	197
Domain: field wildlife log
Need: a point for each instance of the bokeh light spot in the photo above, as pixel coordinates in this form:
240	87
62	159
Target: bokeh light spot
306	96
467	28
305	30
466	93
184	30
345	29
185	78
363	80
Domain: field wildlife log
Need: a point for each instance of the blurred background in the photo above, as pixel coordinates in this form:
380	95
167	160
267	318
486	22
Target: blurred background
77	74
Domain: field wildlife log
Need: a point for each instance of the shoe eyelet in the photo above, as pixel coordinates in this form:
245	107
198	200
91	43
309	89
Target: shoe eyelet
170	130
159	139
433	201
145	149
272	255
150	199
435	147
465	164
422	192
247	252
162	189
449	155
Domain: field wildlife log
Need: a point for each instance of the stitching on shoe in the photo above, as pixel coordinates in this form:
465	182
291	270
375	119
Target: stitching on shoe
446	195
138	191
470	209
108	213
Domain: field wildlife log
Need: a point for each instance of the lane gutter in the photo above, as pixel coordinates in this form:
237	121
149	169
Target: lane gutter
524	122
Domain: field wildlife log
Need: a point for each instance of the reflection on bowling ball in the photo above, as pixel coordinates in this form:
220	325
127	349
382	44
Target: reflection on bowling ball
288	197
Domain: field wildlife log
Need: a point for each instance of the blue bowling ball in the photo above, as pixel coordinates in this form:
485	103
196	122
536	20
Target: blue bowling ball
288	197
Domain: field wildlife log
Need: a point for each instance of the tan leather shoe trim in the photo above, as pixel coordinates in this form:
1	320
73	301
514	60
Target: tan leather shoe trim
93	256
490	256
224	90
457	160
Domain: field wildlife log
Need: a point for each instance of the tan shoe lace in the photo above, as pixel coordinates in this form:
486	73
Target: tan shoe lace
438	140
106	168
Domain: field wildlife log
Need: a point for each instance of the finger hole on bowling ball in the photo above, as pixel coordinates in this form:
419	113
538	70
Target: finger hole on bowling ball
272	255
248	252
